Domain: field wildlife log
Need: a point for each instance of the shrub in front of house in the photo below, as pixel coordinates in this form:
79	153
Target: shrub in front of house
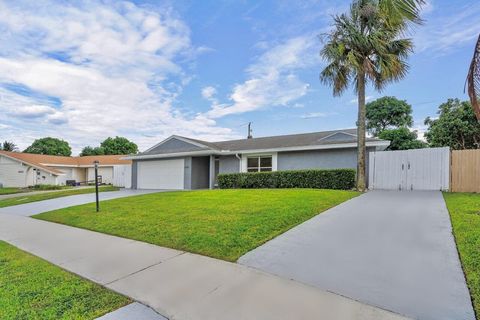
343	179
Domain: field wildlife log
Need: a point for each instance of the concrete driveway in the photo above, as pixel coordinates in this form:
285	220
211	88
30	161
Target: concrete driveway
394	250
32	208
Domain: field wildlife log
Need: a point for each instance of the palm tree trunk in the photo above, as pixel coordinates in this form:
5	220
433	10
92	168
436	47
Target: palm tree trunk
361	181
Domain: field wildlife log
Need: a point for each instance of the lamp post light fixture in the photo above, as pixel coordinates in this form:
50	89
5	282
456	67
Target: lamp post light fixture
96	185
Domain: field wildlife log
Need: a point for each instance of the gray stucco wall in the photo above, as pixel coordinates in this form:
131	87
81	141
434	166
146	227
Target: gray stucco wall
187	173
229	164
200	173
134	173
320	159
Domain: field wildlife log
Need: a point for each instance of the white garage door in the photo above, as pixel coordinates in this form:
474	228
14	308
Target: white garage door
161	174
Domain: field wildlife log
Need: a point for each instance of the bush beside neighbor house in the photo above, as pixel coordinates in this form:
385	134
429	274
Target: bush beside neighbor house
320	179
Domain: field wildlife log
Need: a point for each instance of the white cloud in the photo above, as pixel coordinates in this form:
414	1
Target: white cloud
450	29
209	92
313	115
33	111
367	98
111	65
271	79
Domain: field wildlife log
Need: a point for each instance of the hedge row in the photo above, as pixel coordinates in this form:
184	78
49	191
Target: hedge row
322	179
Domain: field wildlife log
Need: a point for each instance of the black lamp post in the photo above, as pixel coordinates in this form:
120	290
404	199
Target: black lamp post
96	184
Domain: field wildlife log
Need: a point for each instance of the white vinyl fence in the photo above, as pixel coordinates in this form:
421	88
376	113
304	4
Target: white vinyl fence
122	176
420	169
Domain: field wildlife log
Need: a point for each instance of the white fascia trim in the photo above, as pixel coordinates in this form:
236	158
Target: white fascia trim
75	165
173	155
314	147
59	165
335	133
178	138
84	166
382	143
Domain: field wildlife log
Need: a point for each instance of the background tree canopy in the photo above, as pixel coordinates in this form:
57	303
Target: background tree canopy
390	119
117	145
402	139
386	113
90	151
50	146
456	126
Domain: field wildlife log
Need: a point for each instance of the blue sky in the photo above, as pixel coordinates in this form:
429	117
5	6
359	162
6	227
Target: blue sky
86	70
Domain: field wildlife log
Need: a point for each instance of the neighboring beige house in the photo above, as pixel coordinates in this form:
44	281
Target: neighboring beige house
26	169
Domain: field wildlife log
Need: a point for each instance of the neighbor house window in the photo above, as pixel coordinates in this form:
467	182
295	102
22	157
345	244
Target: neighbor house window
260	163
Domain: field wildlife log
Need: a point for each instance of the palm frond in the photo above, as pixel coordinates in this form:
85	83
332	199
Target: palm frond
400	11
473	80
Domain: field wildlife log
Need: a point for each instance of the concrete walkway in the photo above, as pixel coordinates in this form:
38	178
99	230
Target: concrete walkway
29	193
391	249
176	284
32	208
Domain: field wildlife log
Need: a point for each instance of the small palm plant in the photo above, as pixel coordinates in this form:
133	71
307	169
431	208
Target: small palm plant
8	146
366	45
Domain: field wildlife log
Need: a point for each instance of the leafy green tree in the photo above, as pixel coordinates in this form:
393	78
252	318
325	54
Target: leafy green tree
388	113
119	145
366	45
9	146
401	139
456	127
90	151
51	146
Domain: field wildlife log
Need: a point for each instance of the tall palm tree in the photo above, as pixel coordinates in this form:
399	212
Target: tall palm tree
366	45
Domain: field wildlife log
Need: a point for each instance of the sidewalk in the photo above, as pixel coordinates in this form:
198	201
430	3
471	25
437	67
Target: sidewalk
32	208
177	284
29	193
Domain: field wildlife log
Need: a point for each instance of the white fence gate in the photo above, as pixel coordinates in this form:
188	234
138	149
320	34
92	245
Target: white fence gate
122	176
419	169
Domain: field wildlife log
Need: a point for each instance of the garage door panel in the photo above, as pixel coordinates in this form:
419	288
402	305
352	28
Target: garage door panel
161	174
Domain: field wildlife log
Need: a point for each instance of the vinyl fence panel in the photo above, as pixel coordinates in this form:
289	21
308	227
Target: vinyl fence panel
419	169
122	176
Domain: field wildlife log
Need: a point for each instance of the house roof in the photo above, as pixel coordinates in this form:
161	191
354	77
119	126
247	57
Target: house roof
313	140
45	162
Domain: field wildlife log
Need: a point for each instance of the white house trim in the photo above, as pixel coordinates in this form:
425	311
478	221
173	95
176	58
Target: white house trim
258	151
335	133
244	161
178	138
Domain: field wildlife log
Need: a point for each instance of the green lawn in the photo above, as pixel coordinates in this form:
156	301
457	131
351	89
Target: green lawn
11	190
464	211
32	288
26	198
223	224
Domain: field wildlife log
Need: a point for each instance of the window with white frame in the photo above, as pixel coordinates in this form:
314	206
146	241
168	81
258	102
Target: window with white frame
259	163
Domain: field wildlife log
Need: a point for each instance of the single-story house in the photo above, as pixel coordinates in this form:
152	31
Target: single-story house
186	163
22	170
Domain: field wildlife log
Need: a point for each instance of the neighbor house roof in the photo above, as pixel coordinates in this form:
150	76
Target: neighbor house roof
45	162
303	141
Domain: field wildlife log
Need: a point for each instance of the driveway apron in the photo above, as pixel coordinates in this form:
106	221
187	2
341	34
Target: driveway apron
394	250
